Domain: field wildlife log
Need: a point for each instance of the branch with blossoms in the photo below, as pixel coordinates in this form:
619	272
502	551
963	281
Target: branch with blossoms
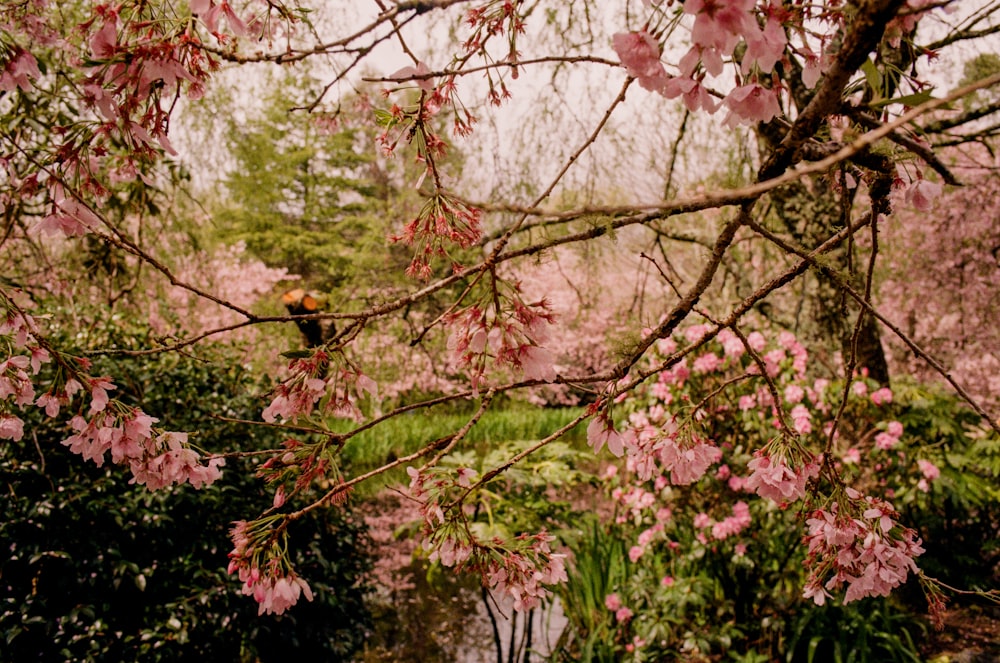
138	63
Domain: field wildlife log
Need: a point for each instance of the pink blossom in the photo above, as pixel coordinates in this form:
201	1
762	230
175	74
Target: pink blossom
895	429
752	103
776	480
859	388
702	520
764	48
50	403
688	461
871	554
720	23
19	71
922	193
667	581
601	431
11	427
756	341
693	93
885	441
276	594
695	333
466	475
99	388
801	420
537	363
424	83
451	551
852	456
635	552
640	54
612	602
731	343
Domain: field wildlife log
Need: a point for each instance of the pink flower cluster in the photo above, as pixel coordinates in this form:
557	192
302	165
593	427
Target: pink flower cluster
652	449
733	524
889	438
511	337
274	588
443	222
773	478
517	569
20	68
522	574
314	380
870	553
156	462
614	604
930	473
17	331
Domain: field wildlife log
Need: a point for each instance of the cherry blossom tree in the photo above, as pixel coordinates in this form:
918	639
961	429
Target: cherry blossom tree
841	110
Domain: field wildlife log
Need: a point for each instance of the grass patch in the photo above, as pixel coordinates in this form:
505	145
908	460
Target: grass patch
409	432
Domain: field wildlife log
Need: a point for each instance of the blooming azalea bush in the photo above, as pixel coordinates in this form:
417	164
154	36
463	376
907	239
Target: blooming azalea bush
734	525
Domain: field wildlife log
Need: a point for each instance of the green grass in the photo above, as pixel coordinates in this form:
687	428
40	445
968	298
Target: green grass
409	432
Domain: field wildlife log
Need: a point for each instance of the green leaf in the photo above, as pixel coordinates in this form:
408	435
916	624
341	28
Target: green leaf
906	100
874	78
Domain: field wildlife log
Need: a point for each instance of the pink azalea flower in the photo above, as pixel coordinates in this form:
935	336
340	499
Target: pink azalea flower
623	614
794	393
612	602
731	343
880	396
756	341
706	363
928	469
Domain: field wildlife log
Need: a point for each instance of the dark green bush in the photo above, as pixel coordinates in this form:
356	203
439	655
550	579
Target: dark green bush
100	570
